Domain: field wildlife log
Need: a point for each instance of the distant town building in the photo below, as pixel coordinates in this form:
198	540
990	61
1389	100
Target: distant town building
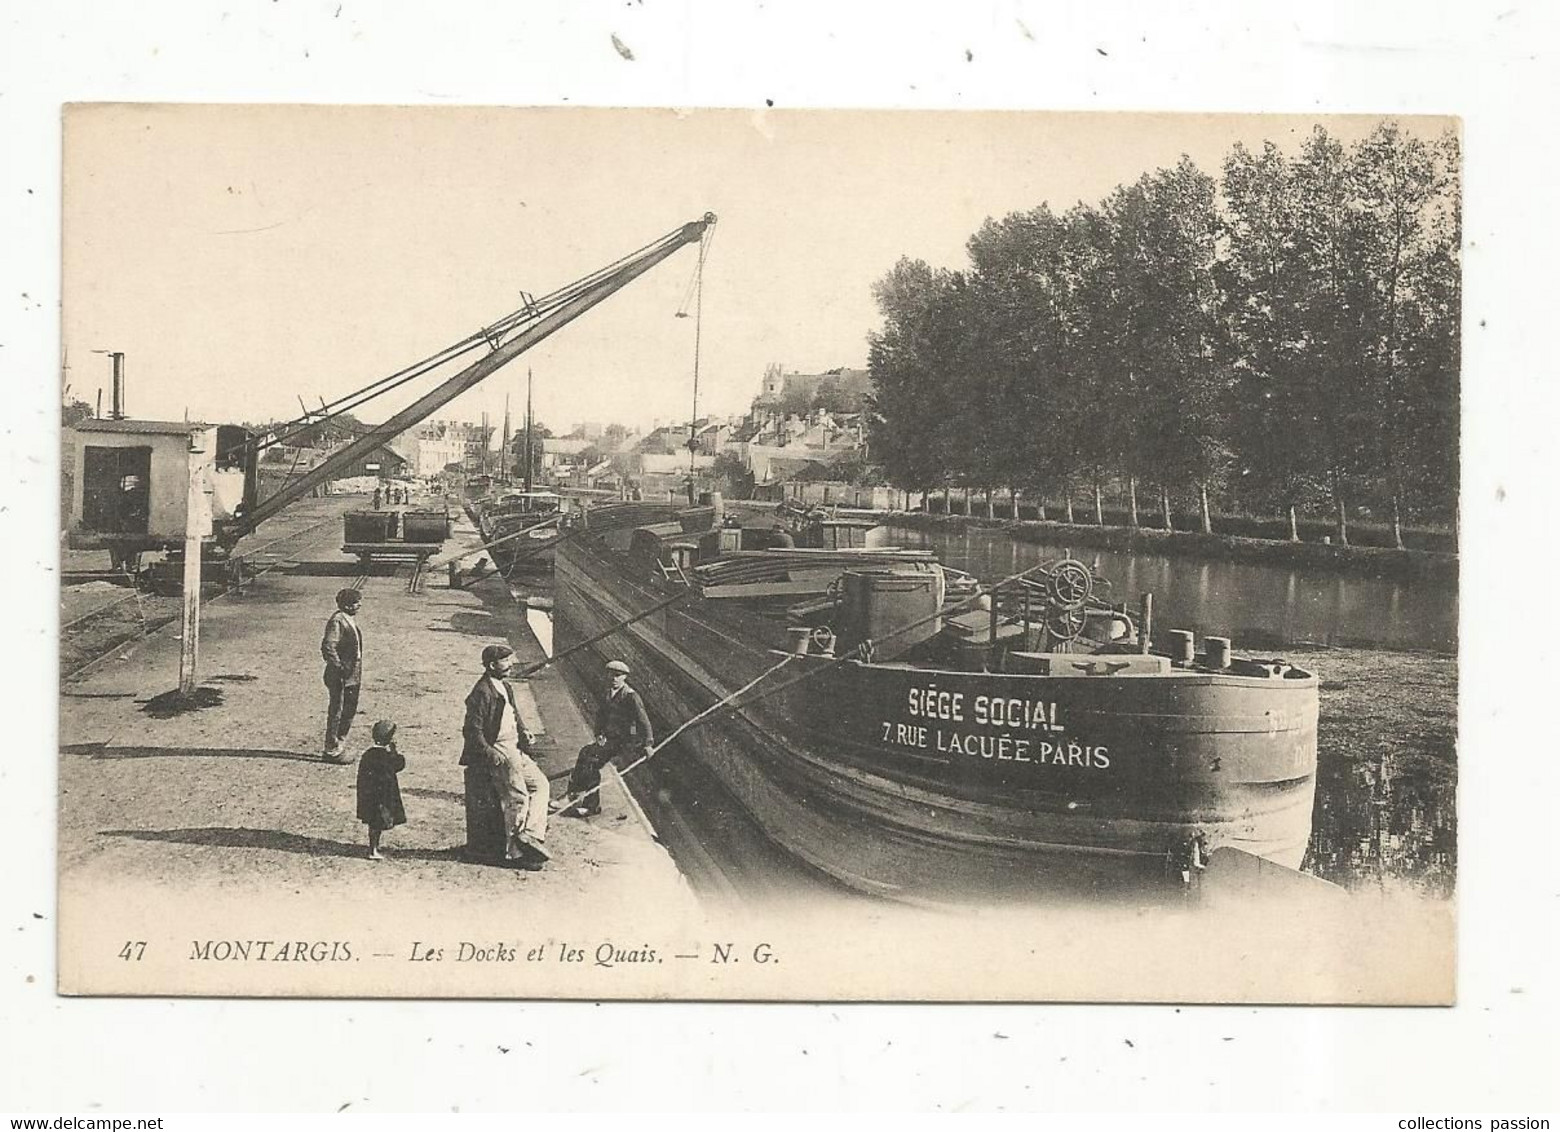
802	423
799	428
845	388
383	462
434	445
563	451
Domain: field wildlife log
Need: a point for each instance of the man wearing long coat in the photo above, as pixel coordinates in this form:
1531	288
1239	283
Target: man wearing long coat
342	650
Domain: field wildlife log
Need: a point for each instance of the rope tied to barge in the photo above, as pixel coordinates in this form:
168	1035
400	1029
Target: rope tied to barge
706	713
576	799
863	652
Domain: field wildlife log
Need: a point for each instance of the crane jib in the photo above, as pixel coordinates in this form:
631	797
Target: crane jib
539	319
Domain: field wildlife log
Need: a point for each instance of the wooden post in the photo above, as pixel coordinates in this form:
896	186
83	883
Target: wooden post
991	663
195	526
1146	627
1025	586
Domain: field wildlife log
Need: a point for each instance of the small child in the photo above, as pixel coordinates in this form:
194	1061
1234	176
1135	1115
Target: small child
378	792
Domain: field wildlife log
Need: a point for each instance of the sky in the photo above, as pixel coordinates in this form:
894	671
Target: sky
244	257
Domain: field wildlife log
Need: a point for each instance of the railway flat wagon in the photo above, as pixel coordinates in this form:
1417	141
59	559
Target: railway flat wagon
394	536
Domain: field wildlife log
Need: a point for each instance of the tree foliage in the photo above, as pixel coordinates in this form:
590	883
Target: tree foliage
1284	335
731	476
830	398
539	433
795	401
916	364
74	411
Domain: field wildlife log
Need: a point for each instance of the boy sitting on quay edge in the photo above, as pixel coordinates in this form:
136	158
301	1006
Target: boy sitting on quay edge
623	725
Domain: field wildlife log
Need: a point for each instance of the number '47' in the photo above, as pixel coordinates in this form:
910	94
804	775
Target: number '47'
133	949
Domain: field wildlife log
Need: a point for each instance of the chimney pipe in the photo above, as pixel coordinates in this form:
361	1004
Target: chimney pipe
119	384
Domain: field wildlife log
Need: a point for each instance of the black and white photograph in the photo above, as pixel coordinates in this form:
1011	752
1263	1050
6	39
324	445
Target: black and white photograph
627	558
759	554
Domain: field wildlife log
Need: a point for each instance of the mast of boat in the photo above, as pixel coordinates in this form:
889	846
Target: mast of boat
528	430
503	449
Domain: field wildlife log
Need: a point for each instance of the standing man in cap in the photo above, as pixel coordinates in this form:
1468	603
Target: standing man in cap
342	648
500	771
622	725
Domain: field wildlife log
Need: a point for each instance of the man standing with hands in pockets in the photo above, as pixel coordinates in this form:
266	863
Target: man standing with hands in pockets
342	650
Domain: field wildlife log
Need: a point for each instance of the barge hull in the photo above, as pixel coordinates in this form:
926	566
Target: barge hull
1226	760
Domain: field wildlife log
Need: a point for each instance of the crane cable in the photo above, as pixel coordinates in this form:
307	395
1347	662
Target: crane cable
696	278
491	335
695	292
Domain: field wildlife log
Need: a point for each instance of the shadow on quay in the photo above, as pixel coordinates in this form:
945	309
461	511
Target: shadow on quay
227	838
104	751
453	796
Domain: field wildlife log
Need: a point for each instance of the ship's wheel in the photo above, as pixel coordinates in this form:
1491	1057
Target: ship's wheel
1069	584
1066	624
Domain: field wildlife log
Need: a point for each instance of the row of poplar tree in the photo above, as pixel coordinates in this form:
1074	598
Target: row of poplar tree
1279	339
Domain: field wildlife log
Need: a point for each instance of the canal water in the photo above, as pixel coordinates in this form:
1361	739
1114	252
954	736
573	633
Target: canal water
1258	606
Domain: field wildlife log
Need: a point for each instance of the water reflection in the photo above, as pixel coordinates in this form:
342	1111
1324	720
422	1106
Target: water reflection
1385	822
541	624
1259	606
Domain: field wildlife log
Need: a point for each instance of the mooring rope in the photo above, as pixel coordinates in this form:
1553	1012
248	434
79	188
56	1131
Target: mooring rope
436	563
533	669
865	648
576	799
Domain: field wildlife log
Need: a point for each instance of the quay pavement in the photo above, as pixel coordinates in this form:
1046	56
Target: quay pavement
222	822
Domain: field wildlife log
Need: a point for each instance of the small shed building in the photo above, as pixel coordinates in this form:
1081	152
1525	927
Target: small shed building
383	462
131	483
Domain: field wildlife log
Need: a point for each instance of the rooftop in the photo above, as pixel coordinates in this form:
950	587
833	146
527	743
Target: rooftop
156	428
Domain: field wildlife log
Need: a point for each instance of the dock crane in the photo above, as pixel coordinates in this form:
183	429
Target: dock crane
132	486
504	341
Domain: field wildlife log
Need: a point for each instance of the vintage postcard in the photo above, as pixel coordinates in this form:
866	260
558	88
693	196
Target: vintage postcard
810	555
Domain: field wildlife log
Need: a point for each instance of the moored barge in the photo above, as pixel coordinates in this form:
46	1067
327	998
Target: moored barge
522	524
923	742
